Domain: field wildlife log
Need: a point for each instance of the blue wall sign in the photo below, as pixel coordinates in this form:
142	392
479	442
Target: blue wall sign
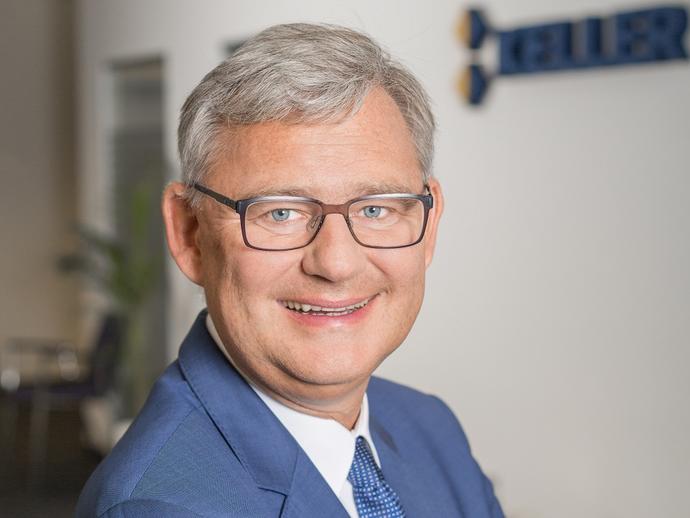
640	36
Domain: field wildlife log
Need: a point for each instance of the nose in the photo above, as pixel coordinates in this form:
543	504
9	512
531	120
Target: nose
334	255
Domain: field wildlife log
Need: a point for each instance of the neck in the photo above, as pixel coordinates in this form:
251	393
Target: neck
343	408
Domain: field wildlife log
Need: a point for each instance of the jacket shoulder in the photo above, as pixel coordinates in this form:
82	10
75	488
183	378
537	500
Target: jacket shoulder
141	508
173	461
426	429
168	410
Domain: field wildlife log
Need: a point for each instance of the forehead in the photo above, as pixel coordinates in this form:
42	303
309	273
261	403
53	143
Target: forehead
371	151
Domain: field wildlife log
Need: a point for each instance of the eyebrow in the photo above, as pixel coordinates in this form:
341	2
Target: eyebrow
360	189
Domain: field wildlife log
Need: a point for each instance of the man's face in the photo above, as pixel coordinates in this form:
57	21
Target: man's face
295	355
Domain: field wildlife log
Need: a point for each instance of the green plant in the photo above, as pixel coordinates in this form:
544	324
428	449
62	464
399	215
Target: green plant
125	270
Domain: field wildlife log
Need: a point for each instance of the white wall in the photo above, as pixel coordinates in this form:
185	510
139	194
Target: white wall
557	319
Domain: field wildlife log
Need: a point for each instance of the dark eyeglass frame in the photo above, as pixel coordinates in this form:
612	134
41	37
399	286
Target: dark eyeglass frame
241	206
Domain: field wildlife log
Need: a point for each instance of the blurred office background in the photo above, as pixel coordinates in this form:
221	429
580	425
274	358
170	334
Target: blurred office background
557	316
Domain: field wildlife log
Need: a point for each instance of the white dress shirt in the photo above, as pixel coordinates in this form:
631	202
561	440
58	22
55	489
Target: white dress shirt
328	444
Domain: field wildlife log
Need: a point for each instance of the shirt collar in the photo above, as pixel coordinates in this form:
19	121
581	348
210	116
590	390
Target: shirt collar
328	444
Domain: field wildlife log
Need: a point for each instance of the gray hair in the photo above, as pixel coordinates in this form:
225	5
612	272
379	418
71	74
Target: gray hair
297	73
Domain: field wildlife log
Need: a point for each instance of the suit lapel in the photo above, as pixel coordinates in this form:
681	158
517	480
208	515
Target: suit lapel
263	446
258	439
418	496
310	495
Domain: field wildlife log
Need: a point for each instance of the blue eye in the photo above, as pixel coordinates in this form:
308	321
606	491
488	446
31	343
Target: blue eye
280	214
372	211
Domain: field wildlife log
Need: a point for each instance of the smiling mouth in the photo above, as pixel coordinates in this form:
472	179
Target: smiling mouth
324	311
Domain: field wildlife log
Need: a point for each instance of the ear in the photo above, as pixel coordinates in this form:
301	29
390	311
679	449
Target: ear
181	230
434	218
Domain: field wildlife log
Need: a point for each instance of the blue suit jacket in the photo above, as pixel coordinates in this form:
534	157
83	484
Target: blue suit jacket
206	445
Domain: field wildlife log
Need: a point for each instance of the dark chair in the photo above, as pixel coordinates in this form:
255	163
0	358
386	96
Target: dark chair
57	382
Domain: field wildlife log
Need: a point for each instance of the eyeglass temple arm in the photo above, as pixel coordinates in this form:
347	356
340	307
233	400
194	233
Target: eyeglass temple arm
216	196
430	196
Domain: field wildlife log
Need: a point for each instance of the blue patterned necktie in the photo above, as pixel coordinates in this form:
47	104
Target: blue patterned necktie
374	498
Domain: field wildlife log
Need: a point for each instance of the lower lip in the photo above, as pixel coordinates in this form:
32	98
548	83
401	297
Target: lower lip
314	320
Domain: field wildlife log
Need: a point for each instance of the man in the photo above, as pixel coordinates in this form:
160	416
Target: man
308	214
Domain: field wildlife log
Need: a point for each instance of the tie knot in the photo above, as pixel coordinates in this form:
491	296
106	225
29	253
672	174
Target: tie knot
364	471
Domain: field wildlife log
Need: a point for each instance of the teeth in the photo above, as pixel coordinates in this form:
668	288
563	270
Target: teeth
306	308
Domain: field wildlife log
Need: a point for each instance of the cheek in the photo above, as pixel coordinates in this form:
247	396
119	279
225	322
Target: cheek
252	279
404	270
402	267
243	290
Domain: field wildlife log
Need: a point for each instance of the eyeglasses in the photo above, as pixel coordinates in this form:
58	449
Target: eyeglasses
275	223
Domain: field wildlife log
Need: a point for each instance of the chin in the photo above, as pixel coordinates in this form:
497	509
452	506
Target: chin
333	368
